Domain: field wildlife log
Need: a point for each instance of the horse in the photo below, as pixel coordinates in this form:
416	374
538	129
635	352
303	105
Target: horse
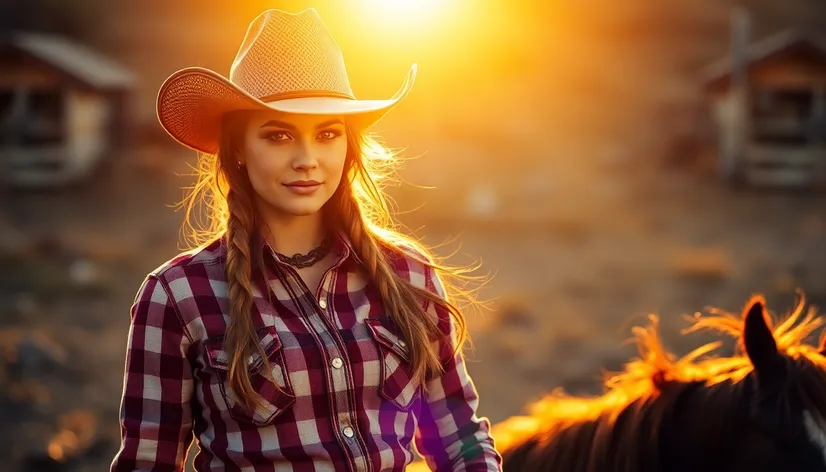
760	409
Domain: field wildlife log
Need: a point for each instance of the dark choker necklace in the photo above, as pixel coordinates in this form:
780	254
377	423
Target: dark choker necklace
306	260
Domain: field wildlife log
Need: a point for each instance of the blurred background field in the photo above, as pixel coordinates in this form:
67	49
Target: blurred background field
569	147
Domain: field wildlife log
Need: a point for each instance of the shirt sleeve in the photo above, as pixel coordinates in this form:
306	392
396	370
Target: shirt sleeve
451	437
155	413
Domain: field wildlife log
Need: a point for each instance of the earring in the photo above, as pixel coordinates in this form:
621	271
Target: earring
239	164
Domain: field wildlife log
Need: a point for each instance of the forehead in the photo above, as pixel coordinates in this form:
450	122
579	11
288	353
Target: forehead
258	118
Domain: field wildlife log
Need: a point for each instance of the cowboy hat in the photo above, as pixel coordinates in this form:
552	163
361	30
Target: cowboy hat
287	62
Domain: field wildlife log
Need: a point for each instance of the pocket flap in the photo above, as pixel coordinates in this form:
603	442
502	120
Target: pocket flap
218	358
386	337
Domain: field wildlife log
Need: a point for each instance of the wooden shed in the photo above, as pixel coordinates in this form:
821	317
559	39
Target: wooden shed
768	101
63	109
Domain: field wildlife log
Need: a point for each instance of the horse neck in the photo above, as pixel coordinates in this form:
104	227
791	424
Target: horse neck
616	441
667	432
703	426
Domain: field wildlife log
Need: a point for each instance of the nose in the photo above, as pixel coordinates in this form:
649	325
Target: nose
305	158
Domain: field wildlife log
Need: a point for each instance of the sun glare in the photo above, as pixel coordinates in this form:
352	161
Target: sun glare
398	12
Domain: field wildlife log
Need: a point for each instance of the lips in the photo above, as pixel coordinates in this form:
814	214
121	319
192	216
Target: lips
303	183
303	187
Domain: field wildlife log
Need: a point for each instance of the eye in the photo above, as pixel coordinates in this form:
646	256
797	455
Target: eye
329	135
277	136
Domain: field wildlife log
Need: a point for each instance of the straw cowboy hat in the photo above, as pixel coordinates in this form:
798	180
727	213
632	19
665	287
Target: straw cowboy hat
287	62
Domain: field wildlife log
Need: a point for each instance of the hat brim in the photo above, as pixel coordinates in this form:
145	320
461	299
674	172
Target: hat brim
192	101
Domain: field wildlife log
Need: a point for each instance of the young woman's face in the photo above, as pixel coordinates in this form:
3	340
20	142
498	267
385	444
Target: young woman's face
294	162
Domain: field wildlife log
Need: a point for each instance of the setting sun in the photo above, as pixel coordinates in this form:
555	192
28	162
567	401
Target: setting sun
404	11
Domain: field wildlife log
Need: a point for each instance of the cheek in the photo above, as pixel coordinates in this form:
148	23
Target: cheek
266	163
755	453
334	156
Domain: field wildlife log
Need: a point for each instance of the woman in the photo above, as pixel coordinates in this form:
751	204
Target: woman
334	358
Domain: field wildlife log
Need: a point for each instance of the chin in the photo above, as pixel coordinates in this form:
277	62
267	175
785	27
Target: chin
304	211
288	204
299	208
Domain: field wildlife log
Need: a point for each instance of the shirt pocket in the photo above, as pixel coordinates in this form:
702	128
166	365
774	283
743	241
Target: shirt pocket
395	380
277	397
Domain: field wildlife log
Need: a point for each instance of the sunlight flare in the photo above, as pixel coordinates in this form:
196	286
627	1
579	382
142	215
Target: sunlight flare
401	12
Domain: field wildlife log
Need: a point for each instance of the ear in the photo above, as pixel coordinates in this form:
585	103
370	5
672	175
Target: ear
758	338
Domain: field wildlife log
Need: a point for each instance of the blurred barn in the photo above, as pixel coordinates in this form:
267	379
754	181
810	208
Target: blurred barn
63	110
768	100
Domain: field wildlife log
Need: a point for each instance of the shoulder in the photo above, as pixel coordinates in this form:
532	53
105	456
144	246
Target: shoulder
414	263
181	275
209	253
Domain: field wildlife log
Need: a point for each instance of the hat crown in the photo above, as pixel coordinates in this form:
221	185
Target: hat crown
286	55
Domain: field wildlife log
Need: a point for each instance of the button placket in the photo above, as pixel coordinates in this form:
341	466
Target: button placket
315	308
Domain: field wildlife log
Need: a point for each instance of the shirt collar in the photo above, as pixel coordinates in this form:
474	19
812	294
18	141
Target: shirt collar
342	246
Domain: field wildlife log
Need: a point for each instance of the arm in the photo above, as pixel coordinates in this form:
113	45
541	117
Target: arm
155	415
451	436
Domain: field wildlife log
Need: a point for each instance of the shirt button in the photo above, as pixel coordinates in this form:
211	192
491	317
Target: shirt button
402	344
348	431
322	303
337	363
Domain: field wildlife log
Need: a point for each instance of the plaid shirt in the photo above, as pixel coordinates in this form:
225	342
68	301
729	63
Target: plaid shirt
347	402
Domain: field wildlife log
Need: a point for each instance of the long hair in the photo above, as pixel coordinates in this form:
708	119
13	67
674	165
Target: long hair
359	209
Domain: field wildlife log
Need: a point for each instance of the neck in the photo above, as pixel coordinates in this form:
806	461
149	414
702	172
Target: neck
290	234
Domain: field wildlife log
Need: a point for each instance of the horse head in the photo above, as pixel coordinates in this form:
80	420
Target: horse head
783	427
761	409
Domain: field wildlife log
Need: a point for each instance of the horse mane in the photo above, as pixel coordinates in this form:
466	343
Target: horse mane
638	397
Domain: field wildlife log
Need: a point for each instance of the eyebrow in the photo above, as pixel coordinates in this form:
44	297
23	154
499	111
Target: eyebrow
281	124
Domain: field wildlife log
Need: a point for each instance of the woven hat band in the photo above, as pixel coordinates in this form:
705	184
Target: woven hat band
304	94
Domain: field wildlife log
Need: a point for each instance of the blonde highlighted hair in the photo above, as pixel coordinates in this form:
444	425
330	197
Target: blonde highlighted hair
358	209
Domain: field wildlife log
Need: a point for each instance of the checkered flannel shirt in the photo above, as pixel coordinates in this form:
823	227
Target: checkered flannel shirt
346	400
